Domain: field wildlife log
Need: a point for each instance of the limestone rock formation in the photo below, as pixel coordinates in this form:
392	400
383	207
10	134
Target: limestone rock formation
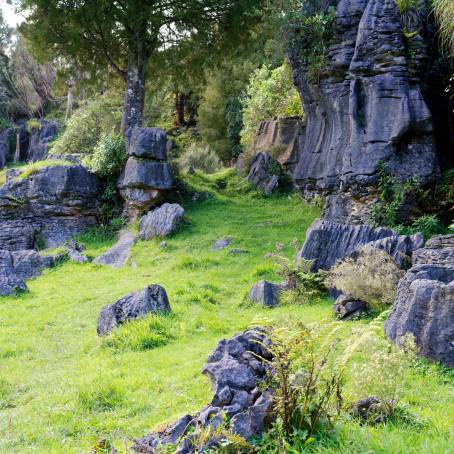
237	374
366	105
119	253
282	136
51	205
39	140
147	175
327	242
153	299
347	307
424	305
264	172
266	293
17	266
162	221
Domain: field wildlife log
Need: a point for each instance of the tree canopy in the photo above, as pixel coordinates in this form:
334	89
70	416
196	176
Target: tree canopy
125	34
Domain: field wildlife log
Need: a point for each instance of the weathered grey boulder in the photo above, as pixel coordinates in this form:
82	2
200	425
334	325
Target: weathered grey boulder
266	293
119	253
327	242
161	221
39	140
147	176
347	307
366	106
17	266
264	172
283	136
237	374
152	299
55	202
147	143
221	244
75	250
439	250
424	305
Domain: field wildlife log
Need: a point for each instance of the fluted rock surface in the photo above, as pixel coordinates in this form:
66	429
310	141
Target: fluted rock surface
367	106
424	306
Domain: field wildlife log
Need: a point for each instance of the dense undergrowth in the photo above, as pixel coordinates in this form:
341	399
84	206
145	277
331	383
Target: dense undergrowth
64	389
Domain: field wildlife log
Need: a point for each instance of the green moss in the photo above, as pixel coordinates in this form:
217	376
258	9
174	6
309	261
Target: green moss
30	169
33	125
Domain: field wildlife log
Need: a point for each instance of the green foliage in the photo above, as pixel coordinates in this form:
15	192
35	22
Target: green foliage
303	286
147	333
311	38
444	12
109	156
5	123
410	11
200	157
33	125
307	387
271	93
392	195
88	124
234	119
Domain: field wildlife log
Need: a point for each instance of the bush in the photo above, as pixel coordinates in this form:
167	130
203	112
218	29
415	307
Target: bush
303	286
271	93
200	157
33	125
109	156
307	385
87	125
372	277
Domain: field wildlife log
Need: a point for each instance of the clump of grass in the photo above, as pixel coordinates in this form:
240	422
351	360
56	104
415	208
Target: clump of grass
6	394
205	296
200	157
196	263
100	397
31	169
147	333
266	272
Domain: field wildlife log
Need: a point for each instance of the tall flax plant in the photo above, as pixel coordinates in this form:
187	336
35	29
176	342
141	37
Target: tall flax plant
444	12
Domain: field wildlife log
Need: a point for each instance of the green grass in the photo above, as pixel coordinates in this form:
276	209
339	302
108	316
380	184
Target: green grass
62	388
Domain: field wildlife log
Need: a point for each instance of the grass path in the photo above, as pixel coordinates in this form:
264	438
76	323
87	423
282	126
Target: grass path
62	388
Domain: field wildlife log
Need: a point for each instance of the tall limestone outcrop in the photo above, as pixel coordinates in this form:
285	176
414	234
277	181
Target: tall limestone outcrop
367	105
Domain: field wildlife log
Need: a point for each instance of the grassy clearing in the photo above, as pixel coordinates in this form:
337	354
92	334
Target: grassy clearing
62	388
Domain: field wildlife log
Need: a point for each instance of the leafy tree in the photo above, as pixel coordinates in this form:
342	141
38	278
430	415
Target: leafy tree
127	34
271	93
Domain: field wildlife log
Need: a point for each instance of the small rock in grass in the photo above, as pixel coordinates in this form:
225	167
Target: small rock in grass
347	307
236	251
152	299
162	221
119	253
221	244
266	293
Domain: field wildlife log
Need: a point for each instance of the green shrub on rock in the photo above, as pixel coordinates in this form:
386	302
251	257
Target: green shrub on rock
109	156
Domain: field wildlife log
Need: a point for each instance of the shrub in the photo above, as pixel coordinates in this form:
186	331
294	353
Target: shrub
109	156
307	386
271	93
303	286
200	157
88	123
371	276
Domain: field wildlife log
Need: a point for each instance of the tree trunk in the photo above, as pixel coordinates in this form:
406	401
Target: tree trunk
69	104
180	103
135	88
